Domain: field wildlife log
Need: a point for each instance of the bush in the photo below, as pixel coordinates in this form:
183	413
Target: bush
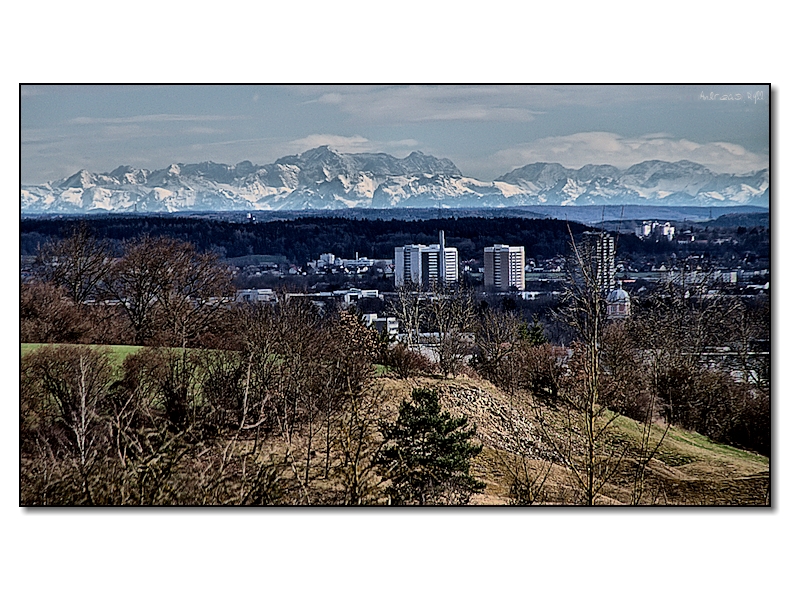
47	315
407	363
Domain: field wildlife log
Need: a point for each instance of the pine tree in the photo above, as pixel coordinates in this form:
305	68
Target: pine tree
533	334
426	454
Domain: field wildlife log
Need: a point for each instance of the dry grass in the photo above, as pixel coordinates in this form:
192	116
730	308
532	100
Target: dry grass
688	469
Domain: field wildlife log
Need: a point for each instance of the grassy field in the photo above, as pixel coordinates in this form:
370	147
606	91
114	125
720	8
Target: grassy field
680	446
117	352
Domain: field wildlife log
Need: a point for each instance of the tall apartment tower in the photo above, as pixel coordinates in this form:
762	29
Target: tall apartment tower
599	247
408	264
442	258
504	267
427	265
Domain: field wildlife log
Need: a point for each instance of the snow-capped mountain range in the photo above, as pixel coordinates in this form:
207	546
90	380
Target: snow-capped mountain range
323	178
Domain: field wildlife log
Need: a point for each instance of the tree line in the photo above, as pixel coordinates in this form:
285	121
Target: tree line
303	239
158	291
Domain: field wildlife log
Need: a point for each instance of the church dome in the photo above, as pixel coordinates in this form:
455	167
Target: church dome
618	296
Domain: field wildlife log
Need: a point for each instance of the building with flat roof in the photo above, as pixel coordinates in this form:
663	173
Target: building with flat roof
599	252
426	265
656	230
503	267
386	325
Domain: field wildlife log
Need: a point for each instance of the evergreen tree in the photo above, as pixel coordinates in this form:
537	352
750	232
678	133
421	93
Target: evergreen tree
426	454
533	334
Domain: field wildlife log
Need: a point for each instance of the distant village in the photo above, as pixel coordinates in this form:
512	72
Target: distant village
503	271
697	261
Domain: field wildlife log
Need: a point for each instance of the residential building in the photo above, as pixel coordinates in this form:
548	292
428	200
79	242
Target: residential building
504	267
599	253
345	297
386	325
327	259
256	295
426	265
656	230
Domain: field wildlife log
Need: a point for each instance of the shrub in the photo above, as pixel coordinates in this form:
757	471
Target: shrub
407	363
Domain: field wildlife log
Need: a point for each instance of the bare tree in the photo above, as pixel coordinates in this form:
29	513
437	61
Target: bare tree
594	462
358	442
197	290
72	381
46	315
527	482
496	336
451	317
749	328
409	307
603	379
165	286
79	263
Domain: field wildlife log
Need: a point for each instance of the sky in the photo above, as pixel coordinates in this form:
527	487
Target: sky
486	130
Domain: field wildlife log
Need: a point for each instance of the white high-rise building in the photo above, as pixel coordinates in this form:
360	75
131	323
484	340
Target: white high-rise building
408	264
504	266
600	251
657	230
426	265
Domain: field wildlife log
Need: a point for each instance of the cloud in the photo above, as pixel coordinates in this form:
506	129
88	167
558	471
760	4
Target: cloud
203	130
508	103
406	143
330	98
578	149
421	103
157	118
349	144
341	143
656	136
27	90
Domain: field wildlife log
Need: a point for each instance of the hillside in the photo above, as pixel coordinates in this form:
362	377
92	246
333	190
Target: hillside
522	439
688	468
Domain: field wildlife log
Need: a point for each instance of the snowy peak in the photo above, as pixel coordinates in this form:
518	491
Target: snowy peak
321	164
417	162
597	172
325	163
129	175
323	178
653	171
668	183
539	173
82	179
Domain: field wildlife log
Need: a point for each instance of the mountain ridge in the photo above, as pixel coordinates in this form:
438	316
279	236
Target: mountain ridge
325	179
